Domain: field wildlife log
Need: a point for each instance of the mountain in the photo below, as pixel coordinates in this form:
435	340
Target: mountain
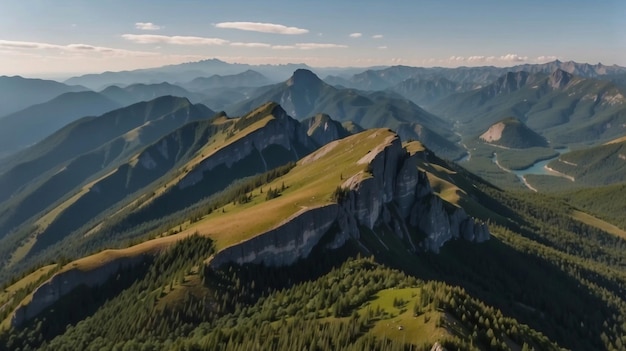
427	92
322	129
599	165
248	78
564	108
363	243
184	72
28	126
17	93
221	98
145	92
56	167
385	78
192	159
304	95
512	133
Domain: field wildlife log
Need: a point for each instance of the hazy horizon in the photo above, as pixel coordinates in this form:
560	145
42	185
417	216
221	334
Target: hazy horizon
74	37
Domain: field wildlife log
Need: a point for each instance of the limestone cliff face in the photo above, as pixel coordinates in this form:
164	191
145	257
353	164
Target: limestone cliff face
62	283
283	245
393	181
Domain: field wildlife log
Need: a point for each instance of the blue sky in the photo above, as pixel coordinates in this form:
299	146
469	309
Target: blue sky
63	37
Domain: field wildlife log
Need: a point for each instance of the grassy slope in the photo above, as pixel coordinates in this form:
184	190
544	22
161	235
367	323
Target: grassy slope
309	184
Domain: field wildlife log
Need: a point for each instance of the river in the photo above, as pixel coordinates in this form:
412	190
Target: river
539	168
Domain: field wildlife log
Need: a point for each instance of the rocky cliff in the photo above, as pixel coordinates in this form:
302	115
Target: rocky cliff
66	281
392	184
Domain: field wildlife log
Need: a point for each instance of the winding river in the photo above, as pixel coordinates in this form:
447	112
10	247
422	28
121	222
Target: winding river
539	168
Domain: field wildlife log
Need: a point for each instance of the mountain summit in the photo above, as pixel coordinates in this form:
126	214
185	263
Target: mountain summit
304	77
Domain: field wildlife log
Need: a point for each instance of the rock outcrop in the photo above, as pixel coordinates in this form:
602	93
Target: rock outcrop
392	181
64	282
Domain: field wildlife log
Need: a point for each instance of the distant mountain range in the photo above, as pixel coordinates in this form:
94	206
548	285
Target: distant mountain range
304	95
25	127
245	79
17	93
564	108
380	79
30	125
186	72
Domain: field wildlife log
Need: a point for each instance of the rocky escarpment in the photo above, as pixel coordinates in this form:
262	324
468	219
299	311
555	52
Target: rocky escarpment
276	247
63	283
393	193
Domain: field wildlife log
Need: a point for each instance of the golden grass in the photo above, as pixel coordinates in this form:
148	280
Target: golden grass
616	141
308	185
6	294
598	223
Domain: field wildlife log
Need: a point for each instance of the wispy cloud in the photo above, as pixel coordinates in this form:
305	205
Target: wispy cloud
262	27
314	46
513	58
383	47
251	45
487	59
70	48
356	35
283	47
147	26
175	40
377	36
544	59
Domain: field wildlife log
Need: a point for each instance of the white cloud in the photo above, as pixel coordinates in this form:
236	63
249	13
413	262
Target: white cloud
546	58
356	35
262	27
175	40
251	45
283	47
513	58
314	46
70	48
476	59
147	26
377	36
384	47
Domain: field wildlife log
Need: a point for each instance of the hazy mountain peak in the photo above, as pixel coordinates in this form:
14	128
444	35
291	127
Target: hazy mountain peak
304	77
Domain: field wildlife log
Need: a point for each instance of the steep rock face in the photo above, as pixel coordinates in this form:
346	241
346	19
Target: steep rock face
283	245
60	284
392	180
